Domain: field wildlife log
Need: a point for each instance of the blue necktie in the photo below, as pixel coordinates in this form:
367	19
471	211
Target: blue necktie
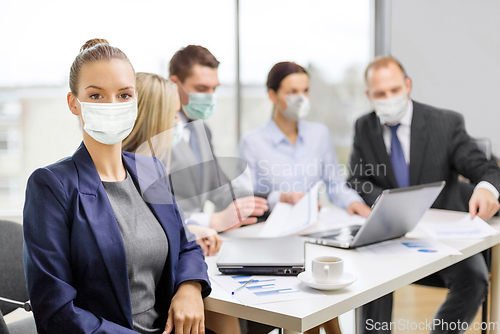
193	142
399	165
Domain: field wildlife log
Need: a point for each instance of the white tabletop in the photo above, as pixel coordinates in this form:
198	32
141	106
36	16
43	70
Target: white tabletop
375	278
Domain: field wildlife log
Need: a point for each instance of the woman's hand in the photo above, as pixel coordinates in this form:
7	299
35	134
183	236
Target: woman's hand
359	208
246	208
186	312
291	197
207	238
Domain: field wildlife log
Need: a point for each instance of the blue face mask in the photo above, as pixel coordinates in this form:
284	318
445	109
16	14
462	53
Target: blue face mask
200	106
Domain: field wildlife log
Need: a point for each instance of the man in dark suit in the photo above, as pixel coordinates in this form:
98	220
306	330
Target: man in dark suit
195	172
404	143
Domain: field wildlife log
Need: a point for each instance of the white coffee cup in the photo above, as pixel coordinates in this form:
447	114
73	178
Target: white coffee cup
327	269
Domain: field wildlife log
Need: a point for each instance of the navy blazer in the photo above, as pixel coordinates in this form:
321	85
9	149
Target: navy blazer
74	255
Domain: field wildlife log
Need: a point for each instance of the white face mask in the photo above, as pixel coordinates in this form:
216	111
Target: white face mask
298	107
391	110
109	123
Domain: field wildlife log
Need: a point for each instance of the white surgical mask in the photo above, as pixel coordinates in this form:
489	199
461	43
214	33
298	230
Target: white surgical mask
297	107
391	110
109	123
177	134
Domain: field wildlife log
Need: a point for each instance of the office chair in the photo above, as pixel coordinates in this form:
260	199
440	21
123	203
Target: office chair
3	326
24	326
484	145
12	280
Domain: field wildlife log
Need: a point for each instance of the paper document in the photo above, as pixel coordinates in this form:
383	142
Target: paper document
335	216
287	219
408	247
464	228
330	218
265	289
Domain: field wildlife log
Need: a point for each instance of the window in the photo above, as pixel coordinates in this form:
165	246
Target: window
330	38
9	194
9	141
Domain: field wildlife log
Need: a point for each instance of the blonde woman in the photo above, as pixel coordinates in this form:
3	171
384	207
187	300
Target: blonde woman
156	108
155	132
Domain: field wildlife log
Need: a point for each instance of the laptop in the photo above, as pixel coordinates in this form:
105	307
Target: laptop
271	256
394	213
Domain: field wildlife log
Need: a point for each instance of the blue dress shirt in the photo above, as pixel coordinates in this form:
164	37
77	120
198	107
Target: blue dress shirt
279	166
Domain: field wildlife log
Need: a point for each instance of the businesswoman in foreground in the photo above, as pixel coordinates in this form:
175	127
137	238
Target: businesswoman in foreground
105	248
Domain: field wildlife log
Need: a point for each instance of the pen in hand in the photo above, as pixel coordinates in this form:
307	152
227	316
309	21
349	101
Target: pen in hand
241	287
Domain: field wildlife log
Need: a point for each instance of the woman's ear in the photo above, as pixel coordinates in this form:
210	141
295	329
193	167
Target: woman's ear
272	95
72	104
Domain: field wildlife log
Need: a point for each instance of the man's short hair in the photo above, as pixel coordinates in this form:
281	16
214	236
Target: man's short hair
183	61
383	61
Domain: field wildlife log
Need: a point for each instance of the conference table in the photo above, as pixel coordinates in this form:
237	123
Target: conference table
375	276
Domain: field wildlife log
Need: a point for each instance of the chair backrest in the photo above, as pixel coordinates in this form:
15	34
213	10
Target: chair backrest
3	326
12	280
466	188
484	145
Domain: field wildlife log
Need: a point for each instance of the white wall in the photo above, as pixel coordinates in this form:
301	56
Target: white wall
451	50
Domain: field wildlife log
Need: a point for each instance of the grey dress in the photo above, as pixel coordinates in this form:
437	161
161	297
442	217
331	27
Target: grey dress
146	249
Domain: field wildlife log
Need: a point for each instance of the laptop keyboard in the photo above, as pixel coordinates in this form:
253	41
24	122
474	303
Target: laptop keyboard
342	234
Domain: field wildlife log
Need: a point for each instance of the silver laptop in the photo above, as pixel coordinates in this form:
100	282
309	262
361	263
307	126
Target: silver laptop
394	213
276	256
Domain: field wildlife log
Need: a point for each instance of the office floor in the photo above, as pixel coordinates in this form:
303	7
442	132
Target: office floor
417	303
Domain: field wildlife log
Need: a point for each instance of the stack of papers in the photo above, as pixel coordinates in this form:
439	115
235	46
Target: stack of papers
265	289
287	219
408	247
464	228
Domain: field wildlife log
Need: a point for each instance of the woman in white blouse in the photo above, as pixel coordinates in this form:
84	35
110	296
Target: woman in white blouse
288	155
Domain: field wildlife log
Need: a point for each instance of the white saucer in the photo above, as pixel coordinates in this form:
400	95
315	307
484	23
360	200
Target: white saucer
306	278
